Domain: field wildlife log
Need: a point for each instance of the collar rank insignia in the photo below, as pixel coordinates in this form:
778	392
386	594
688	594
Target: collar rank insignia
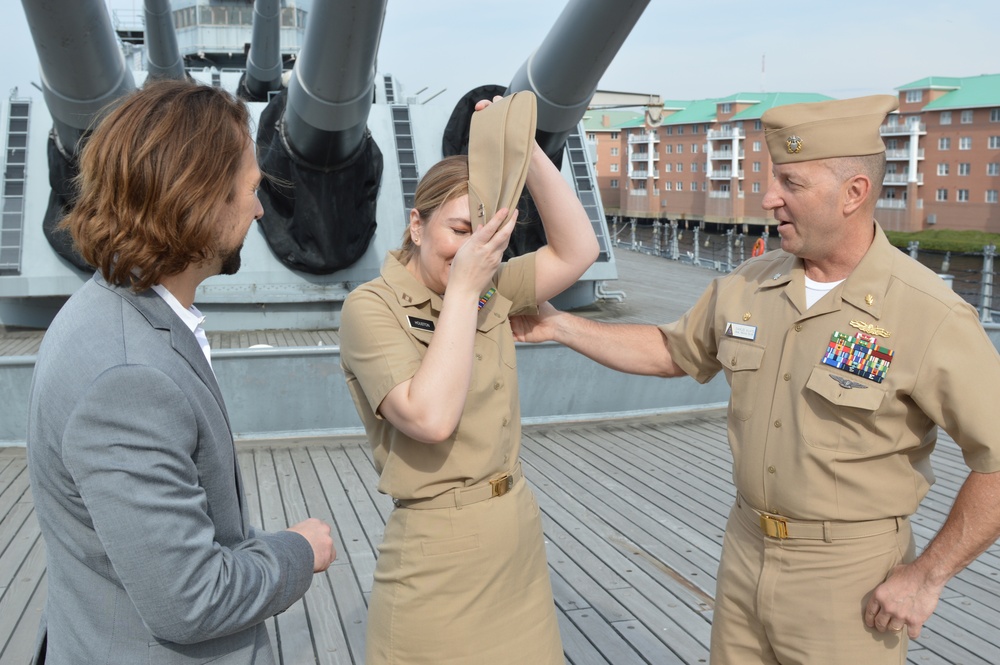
793	145
859	355
847	383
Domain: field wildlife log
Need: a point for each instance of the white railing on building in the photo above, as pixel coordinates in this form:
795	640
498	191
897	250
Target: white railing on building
891	204
719	195
902	154
650	137
725	134
724	155
903	129
901	179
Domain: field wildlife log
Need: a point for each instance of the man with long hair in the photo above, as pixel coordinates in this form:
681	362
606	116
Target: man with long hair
150	553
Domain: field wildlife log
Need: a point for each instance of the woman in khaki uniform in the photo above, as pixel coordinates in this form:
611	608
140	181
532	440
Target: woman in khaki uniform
428	355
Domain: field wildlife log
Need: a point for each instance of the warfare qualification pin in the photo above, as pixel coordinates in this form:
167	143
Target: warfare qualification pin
793	144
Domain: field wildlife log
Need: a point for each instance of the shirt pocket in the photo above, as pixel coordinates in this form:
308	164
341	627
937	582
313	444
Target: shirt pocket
741	360
839	418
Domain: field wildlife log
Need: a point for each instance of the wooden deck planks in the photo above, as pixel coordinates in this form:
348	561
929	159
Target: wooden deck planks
633	513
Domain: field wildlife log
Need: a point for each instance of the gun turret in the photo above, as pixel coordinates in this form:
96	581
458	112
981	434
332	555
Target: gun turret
565	70
264	66
164	57
315	136
82	69
332	86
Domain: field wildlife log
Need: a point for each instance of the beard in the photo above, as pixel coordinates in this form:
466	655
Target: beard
231	261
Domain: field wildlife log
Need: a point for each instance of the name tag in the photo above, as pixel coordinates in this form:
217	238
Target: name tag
741	331
421	324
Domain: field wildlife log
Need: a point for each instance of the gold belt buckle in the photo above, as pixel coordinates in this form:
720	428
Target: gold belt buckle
775	527
502	485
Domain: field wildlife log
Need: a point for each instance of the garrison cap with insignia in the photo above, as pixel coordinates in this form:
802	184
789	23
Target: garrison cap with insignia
820	130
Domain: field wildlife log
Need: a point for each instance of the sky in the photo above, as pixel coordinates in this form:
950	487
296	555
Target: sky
677	49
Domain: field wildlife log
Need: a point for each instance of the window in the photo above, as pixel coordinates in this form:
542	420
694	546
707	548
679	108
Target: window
668	168
944	143
680	148
680	186
680	130
670	149
694	167
694	147
965	143
994	142
942	195
680	167
991	196
756	146
967	117
943	168
994	115
726	108
913	96
614	168
756	188
890	144
756	167
668	186
945	117
591	136
614	183
670	131
964	168
694	129
756	125
963	195
614	136
614	152
993	168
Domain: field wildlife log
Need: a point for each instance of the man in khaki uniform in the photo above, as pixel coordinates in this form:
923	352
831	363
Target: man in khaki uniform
844	356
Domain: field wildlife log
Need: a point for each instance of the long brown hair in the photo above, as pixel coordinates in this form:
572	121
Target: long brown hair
154	176
443	182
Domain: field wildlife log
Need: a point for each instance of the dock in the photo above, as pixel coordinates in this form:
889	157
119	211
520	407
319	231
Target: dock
633	514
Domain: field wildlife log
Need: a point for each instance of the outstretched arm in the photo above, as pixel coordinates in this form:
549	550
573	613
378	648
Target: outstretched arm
911	592
631	348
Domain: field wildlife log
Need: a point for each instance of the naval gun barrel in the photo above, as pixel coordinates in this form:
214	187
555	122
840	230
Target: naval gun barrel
333	82
164	58
565	70
82	68
264	60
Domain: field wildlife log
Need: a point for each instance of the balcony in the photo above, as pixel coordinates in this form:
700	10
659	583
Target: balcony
723	155
715	134
897	204
642	175
902	130
719	195
896	155
725	175
901	179
644	156
644	138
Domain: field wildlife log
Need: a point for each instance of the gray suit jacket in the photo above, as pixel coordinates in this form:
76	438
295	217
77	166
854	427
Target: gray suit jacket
150	554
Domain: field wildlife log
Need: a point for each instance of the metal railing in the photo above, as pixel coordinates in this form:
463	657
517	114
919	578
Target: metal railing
971	275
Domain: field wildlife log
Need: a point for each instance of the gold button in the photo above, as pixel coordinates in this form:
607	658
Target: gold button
777	423
746	317
496	386
798	327
770	469
787	377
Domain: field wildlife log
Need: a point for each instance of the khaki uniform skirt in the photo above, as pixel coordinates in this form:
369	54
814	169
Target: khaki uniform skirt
464	585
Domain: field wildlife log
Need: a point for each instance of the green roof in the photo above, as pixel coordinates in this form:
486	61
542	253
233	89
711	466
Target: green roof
699	110
769	100
933	82
593	120
971	92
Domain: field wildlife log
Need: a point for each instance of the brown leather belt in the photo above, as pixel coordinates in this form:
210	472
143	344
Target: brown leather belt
464	496
776	526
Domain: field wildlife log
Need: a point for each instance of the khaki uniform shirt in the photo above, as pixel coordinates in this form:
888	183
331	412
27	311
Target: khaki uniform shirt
387	325
813	441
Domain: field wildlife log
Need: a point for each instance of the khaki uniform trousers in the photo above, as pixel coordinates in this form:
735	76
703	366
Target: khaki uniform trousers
464	585
799	601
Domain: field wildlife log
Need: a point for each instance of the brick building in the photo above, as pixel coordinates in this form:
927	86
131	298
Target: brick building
707	160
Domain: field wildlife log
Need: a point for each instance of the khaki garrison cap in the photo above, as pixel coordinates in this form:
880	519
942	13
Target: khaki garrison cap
820	130
501	138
